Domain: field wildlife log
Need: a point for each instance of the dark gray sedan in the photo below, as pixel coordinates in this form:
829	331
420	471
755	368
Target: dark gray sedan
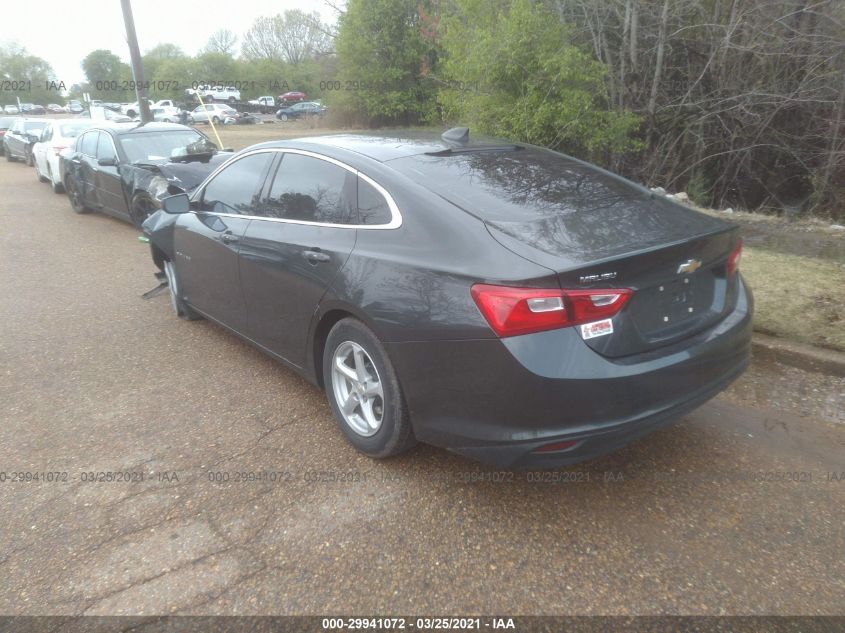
502	301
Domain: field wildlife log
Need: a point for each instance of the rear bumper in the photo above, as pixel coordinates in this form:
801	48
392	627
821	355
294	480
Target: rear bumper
499	400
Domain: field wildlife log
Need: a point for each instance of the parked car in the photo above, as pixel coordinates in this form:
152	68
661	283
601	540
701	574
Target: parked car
57	136
216	112
28	109
229	94
125	169
306	109
292	97
5	123
264	104
55	108
75	107
506	302
244	118
11	109
20	138
167	114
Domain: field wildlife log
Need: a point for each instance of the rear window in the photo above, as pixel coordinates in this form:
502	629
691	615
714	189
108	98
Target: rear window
72	130
34	126
162	146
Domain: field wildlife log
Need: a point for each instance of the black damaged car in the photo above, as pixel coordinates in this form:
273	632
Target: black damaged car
124	170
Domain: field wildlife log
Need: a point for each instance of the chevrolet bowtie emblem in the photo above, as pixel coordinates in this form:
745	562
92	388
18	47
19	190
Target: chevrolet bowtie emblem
689	266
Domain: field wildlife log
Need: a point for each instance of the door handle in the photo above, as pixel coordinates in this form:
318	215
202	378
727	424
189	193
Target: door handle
315	256
228	238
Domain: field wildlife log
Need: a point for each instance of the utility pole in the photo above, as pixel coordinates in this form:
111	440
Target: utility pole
135	58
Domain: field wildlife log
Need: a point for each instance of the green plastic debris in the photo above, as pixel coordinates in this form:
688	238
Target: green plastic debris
144	238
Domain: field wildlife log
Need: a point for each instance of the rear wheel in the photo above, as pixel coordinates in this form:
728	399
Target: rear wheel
363	391
30	159
142	207
182	309
75	195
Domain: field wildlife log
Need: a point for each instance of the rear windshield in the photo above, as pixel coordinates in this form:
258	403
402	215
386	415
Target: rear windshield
515	186
165	145
32	126
72	130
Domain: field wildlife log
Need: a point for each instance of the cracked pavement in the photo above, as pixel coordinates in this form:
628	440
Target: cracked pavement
732	511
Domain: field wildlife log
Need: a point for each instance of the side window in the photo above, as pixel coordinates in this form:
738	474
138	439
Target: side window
88	144
105	147
235	190
17	128
372	206
47	133
313	190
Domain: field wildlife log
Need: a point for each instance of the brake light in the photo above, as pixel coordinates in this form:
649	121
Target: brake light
734	258
512	311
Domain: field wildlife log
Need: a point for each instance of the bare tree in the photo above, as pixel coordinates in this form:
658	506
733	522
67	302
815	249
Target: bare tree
221	41
293	37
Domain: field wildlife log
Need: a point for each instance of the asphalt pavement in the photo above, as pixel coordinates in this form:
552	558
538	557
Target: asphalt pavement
150	465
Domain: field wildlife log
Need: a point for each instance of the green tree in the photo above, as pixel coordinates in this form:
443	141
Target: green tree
382	52
106	74
525	80
30	78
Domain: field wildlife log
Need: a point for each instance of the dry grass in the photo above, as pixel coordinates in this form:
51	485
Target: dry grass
238	137
800	298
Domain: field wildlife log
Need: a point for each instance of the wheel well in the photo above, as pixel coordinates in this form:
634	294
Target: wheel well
321	333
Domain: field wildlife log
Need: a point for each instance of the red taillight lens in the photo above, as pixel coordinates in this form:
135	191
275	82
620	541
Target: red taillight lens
734	258
512	311
59	149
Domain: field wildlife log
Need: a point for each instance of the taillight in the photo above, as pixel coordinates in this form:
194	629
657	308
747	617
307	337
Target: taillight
734	258
59	149
511	311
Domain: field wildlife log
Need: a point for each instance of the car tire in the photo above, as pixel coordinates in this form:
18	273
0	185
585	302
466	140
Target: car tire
182	309
9	156
215	120
74	195
284	117
232	100
30	159
141	208
370	410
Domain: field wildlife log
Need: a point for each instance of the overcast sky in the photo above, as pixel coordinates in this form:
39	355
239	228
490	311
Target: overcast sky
63	32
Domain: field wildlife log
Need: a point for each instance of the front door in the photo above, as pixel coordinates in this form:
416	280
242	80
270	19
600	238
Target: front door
207	242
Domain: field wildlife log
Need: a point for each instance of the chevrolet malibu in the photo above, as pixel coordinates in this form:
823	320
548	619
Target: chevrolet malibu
506	302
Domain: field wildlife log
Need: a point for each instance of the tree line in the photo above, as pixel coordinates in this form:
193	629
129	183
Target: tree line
737	102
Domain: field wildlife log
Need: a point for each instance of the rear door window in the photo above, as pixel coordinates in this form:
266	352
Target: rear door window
88	143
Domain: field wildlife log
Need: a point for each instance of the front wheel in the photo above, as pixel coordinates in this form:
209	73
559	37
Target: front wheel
142	208
284	117
363	391
182	309
216	120
75	195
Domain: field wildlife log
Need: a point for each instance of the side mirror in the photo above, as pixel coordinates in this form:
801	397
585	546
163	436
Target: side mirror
180	203
110	161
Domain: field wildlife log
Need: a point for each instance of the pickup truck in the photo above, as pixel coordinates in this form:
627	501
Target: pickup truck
265	104
132	109
216	93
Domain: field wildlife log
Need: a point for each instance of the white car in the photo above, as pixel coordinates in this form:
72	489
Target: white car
168	114
217	93
58	135
11	109
265	104
216	112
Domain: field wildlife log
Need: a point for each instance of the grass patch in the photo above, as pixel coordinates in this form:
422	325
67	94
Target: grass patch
800	298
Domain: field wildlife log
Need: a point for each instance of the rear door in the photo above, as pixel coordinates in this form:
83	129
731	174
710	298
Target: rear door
207	241
292	254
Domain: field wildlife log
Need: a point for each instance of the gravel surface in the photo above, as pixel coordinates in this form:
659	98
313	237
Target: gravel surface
734	510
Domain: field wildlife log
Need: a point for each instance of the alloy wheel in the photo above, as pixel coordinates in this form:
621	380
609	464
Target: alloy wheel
357	388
